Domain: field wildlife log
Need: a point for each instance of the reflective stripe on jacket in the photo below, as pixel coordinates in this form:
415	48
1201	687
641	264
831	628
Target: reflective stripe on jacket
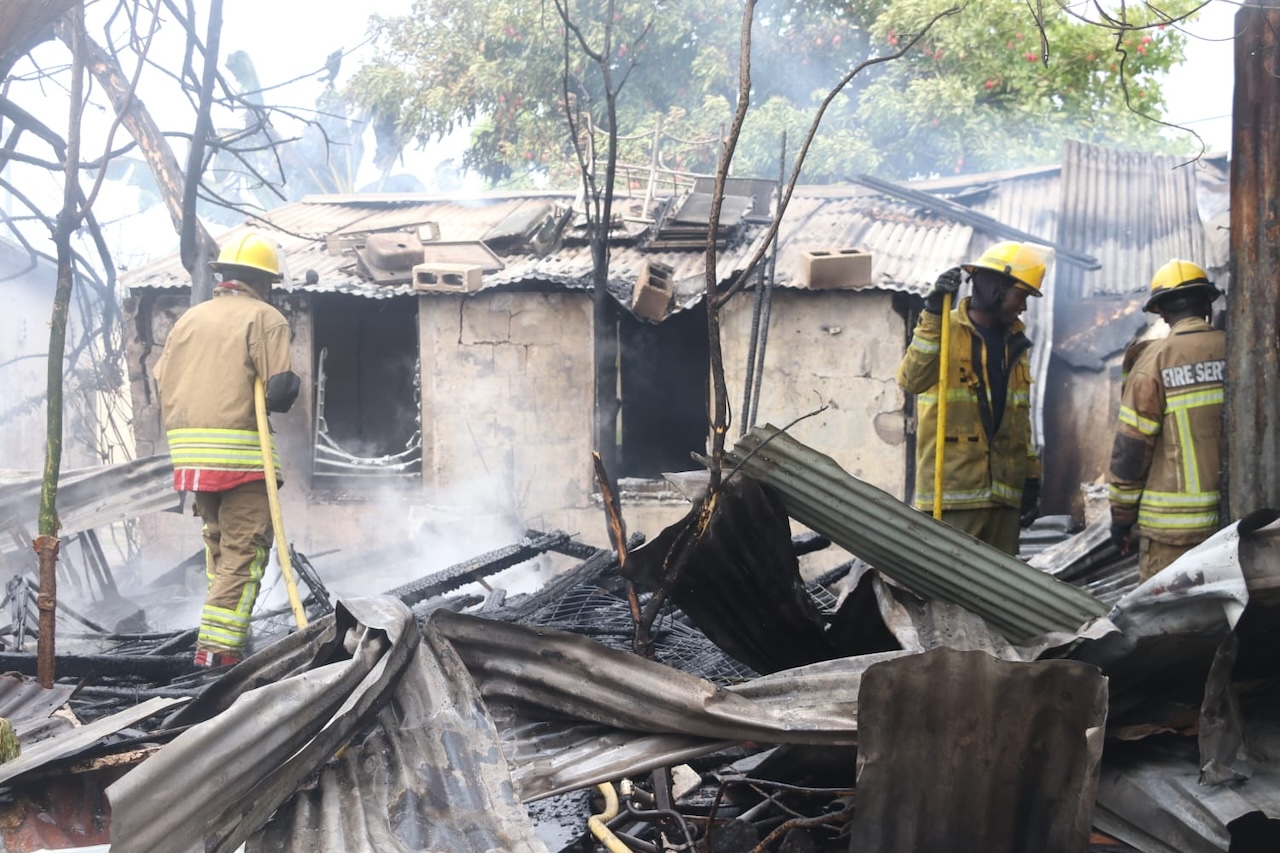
1166	460
980	469
204	379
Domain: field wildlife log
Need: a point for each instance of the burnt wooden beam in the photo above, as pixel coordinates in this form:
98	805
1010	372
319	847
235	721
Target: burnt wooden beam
476	568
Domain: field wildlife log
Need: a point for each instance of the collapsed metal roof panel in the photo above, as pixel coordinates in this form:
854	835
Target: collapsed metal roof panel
79	738
27	705
929	557
301	701
949	734
91	497
1132	210
572	712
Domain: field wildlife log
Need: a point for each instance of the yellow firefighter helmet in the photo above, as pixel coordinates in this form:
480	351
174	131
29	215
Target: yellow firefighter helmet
1179	277
1025	263
249	251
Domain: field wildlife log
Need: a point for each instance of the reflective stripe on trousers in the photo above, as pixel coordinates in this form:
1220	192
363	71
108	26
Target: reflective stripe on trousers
237	536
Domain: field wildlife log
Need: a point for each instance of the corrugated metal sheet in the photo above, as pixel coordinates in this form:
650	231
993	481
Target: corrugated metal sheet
80	738
24	703
928	557
949	735
572	712
1133	211
908	248
300	702
90	497
301	228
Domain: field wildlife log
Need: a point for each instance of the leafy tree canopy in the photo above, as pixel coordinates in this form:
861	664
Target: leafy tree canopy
973	94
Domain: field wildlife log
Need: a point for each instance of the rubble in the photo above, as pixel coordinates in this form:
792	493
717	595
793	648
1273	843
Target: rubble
429	718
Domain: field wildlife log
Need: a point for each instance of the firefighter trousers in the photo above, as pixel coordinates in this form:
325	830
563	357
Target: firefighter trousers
237	539
998	526
1155	556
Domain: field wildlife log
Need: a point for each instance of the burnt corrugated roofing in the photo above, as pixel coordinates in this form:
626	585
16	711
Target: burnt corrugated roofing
301	228
926	556
1133	211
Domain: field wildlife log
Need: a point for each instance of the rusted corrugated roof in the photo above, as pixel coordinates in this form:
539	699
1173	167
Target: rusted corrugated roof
1133	211
949	734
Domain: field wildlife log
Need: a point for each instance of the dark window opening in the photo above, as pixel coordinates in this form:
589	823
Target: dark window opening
663	388
368	400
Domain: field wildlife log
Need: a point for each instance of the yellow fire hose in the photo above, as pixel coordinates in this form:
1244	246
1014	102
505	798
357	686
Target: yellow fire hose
597	822
273	498
944	359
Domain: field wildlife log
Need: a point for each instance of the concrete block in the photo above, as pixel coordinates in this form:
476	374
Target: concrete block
393	251
441	277
652	293
826	269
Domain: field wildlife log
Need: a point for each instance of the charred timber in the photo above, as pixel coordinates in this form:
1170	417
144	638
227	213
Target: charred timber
476	568
157	667
1252	429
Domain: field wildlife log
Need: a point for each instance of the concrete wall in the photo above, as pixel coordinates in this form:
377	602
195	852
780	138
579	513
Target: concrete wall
507	410
835	348
507	400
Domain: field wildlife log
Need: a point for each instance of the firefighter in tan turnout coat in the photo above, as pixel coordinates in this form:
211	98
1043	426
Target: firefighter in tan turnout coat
205	379
991	471
1166	461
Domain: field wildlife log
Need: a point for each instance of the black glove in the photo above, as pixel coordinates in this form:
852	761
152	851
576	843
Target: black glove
281	390
948	282
1120	536
1030	509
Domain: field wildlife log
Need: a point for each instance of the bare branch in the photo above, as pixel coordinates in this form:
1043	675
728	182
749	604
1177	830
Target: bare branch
196	253
720	397
160	157
25	24
115	124
745	274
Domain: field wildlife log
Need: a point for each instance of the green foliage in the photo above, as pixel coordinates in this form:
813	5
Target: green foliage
972	95
977	94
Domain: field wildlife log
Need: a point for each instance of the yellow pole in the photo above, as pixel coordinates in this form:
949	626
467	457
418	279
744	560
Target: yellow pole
944	365
273	498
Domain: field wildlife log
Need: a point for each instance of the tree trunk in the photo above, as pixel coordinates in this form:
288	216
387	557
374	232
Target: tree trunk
46	543
1252	427
25	24
151	142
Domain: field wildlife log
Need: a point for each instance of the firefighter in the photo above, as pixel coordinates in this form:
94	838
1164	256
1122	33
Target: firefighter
1166	460
991	470
205	379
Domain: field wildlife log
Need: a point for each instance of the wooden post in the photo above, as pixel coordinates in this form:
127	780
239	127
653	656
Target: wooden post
1251	428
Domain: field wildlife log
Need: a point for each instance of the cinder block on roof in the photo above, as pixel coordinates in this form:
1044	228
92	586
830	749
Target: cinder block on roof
652	293
833	269
447	278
